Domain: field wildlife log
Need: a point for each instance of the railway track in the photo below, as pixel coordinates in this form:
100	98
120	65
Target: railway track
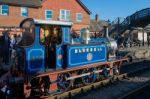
136	91
71	93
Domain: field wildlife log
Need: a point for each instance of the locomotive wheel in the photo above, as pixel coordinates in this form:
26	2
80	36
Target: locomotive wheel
62	83
100	75
116	70
89	78
78	81
35	88
105	72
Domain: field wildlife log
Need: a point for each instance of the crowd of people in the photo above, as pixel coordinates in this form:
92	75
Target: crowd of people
92	35
8	42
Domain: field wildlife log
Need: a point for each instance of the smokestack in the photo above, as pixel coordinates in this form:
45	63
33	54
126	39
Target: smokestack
96	18
106	31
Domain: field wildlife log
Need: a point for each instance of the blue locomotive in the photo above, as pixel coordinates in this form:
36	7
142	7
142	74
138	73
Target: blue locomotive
56	51
48	56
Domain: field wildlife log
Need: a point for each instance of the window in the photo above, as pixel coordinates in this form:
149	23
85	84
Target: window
48	14
27	37
5	10
50	35
79	17
24	11
65	15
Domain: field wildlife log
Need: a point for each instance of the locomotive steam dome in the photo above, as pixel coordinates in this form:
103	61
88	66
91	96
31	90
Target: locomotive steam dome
85	35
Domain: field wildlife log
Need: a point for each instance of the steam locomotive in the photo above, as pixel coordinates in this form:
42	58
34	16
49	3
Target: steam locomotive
49	60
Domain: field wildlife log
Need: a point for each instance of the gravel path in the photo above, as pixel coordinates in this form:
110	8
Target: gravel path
117	89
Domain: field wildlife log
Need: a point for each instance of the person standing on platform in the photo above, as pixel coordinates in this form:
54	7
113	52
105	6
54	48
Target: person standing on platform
12	48
1	45
6	46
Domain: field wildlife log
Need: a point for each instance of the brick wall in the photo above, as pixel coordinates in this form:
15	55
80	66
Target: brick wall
15	17
72	5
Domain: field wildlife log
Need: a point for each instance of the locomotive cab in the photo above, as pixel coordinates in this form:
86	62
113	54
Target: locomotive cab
45	52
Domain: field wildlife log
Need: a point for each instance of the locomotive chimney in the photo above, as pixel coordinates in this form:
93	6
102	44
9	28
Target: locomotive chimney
96	18
106	31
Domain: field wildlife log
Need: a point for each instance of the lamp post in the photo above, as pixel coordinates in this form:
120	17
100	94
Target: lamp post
143	37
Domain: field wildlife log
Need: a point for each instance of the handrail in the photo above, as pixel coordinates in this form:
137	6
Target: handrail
130	19
140	14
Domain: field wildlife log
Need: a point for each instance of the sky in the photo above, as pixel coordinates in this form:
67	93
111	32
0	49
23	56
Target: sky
111	9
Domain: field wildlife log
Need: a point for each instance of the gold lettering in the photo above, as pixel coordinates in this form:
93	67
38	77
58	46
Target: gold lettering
95	49
91	49
80	51
87	49
83	50
76	50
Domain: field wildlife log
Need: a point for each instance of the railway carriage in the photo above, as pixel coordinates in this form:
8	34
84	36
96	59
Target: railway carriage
50	61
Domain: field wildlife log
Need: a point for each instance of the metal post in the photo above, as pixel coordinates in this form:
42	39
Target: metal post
130	38
118	26
143	36
107	35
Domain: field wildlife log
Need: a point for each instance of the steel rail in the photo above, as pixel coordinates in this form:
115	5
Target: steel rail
135	91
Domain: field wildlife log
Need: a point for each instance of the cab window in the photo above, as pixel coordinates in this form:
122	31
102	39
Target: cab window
27	37
50	35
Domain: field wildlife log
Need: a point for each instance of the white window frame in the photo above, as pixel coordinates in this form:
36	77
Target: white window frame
22	11
78	17
65	15
5	9
46	14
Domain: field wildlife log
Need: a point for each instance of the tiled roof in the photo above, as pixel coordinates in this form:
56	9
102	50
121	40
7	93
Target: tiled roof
86	9
35	3
27	3
97	26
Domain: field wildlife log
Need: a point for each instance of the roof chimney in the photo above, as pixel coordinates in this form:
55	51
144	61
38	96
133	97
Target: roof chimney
96	18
